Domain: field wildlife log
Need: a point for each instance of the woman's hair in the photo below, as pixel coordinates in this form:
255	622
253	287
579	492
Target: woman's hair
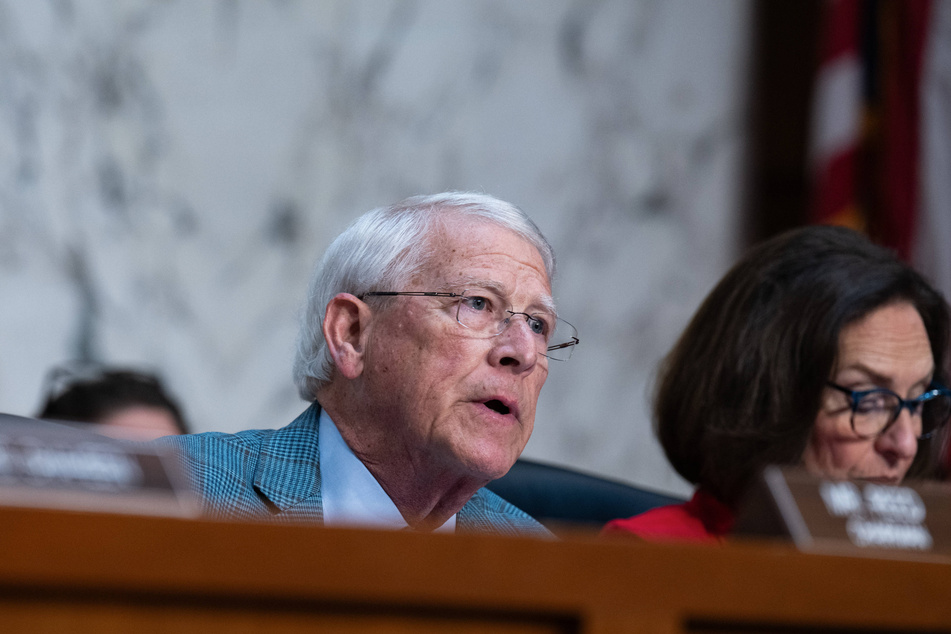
742	387
381	251
91	394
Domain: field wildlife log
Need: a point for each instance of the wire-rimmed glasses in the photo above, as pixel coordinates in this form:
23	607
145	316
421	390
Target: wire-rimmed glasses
874	411
485	315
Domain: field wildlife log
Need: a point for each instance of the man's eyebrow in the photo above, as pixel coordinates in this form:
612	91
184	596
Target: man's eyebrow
545	302
548	303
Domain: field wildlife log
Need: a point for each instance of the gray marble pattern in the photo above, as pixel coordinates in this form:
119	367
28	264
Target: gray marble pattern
171	170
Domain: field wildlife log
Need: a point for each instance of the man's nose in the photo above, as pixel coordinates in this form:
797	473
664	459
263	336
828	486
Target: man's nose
517	345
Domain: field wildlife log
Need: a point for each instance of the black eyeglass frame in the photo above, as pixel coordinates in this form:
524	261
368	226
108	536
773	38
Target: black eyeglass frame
561	346
913	405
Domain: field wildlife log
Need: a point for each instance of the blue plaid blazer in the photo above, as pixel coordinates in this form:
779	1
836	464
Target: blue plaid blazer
274	475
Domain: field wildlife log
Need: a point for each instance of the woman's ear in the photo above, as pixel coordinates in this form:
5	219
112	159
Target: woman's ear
345	328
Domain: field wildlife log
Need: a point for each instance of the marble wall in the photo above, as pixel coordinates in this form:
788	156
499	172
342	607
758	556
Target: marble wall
170	171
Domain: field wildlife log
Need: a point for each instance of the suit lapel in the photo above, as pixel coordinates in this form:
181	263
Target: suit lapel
287	475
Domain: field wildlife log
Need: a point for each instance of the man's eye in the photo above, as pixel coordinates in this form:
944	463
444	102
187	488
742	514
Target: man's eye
476	303
539	326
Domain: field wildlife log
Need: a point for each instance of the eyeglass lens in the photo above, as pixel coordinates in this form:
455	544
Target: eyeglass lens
876	411
487	316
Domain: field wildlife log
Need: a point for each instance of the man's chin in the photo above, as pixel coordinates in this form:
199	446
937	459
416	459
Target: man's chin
490	468
483	459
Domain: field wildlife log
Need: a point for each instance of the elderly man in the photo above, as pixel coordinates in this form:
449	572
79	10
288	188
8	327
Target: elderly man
425	342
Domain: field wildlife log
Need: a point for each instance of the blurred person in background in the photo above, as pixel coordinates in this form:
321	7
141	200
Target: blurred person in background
128	402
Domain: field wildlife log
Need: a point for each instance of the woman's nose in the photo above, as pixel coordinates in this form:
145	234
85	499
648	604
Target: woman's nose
900	441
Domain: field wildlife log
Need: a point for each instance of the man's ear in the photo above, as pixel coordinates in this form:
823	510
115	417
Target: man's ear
345	328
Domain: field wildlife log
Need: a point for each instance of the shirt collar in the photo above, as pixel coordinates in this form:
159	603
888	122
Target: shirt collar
349	493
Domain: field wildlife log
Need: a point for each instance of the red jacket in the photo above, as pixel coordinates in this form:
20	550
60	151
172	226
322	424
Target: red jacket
702	519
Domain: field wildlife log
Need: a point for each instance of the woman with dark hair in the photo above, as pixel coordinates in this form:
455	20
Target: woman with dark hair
818	349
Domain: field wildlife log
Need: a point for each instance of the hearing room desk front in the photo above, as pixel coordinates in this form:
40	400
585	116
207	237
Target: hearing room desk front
83	572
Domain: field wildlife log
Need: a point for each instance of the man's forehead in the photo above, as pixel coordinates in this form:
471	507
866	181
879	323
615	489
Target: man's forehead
474	252
472	234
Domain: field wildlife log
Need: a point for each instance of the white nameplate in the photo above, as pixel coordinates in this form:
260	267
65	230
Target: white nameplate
47	464
855	516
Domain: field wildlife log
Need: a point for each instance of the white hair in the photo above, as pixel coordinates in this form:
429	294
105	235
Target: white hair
382	250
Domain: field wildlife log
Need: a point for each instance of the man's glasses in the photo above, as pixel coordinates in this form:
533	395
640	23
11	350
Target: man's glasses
874	411
486	316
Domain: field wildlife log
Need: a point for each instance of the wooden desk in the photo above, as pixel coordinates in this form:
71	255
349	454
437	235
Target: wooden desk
75	572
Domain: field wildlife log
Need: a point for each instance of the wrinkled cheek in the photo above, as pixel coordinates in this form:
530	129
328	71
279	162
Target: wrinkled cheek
526	434
534	393
452	360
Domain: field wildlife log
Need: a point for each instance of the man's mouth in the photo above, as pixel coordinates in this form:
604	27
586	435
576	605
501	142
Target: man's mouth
498	406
